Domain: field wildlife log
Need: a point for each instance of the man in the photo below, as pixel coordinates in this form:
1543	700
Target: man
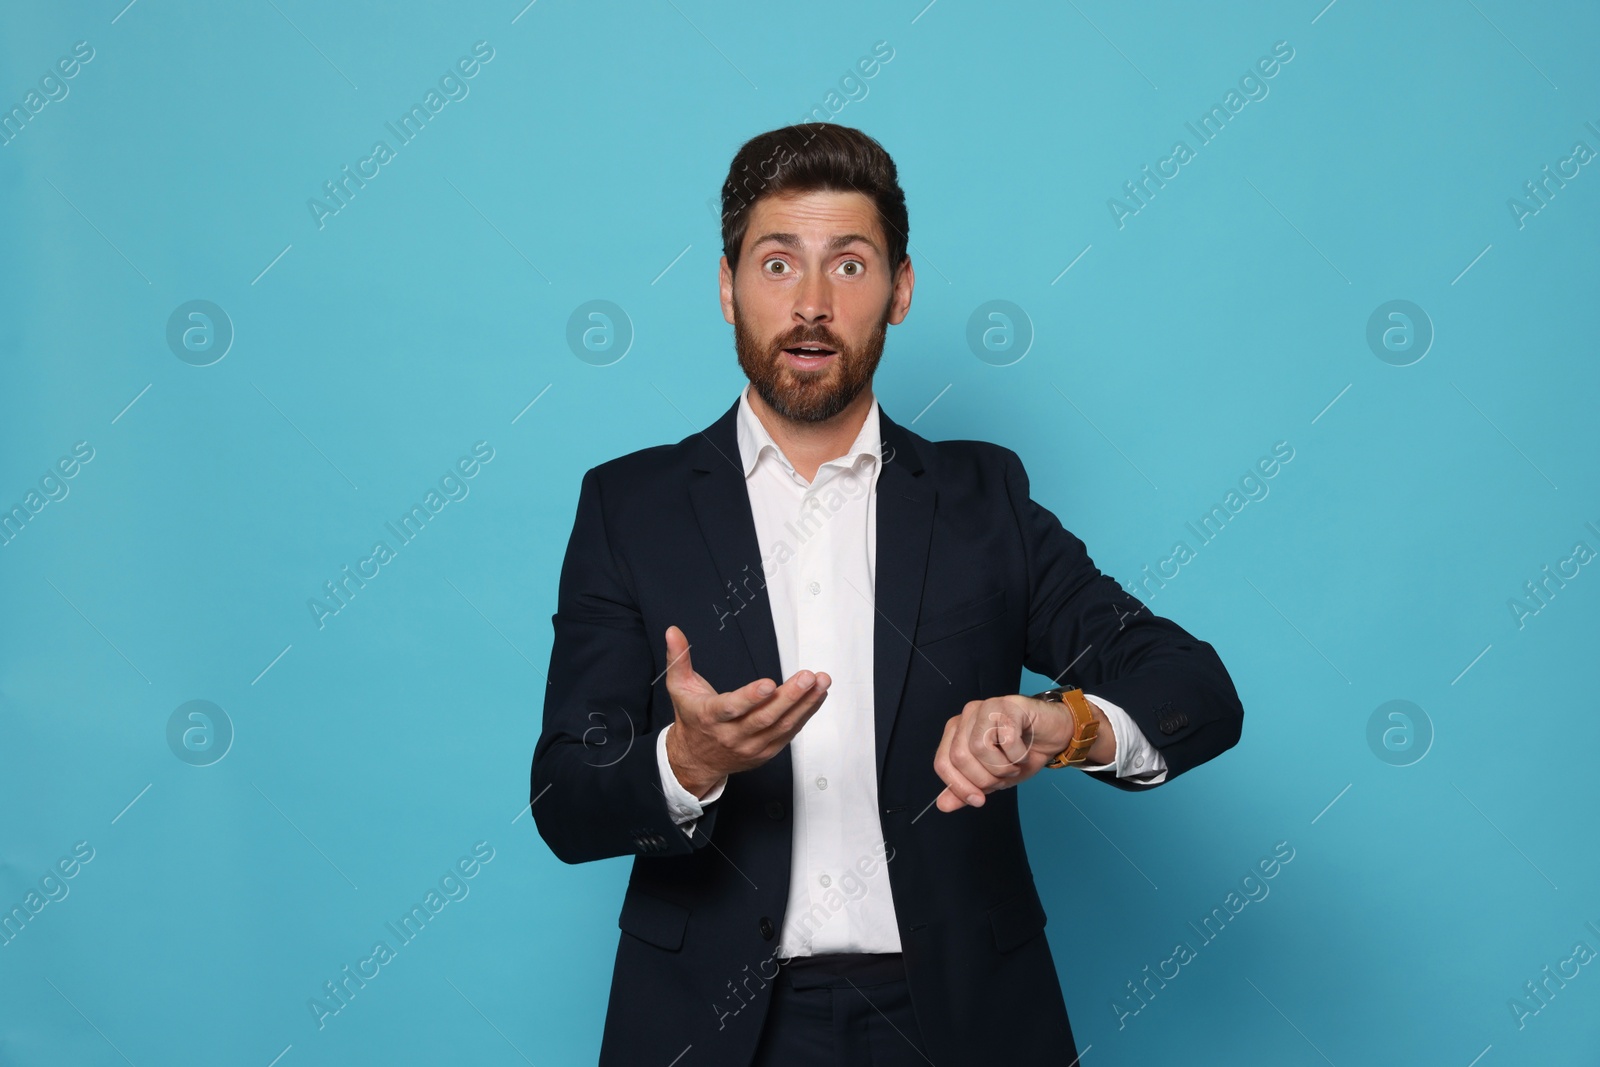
784	671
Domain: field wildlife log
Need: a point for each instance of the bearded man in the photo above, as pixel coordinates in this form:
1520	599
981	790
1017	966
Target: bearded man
808	623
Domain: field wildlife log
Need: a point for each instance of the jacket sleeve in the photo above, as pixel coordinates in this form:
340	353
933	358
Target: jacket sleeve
595	785
1085	630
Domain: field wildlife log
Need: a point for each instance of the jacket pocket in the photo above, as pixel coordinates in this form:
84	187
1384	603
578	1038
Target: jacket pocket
660	922
1017	919
957	620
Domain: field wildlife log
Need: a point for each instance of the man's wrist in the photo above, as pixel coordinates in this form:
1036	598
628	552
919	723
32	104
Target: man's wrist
693	779
1054	727
1104	749
1076	730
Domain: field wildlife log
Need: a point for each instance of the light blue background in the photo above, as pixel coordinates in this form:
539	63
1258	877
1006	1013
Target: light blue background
1227	315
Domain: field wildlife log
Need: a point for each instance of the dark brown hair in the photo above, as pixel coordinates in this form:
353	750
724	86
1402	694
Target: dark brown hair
805	158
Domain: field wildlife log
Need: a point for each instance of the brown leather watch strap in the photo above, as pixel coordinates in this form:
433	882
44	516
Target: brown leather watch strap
1085	728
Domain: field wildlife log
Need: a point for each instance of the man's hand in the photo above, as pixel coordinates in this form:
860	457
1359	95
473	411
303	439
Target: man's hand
999	742
717	734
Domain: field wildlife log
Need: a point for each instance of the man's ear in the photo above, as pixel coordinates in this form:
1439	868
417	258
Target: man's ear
905	279
725	286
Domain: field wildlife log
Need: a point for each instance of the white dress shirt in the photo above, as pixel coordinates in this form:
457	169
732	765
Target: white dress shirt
819	551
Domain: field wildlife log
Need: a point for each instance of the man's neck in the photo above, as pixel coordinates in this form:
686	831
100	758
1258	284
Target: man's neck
809	445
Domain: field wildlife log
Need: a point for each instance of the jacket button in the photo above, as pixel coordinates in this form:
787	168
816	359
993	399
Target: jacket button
775	809
766	928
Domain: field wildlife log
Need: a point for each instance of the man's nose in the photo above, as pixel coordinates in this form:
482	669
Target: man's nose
814	299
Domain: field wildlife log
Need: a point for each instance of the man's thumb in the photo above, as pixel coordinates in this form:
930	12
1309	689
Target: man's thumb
679	669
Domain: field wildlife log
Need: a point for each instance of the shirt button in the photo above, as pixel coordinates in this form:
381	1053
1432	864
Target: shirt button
1139	762
815	587
826	881
822	783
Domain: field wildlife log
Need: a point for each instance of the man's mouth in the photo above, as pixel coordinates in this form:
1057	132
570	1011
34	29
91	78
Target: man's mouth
809	353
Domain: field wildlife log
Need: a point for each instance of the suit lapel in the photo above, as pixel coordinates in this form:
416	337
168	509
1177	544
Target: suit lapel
721	503
905	499
722	508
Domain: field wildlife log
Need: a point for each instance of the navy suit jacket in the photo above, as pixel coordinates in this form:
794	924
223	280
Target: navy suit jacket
974	581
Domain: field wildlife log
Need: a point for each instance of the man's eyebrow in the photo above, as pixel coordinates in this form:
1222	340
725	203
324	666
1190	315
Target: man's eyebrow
790	240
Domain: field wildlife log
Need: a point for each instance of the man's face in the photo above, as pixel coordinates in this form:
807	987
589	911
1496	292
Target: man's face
813	301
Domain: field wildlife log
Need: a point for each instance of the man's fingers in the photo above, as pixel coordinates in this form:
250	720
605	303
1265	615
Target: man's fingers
790	718
959	788
767	704
733	704
1000	744
794	698
973	753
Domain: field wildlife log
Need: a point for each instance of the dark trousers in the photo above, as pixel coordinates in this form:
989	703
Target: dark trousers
841	1010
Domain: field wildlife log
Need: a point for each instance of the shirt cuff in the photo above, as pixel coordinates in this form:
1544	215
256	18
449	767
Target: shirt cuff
1137	759
683	805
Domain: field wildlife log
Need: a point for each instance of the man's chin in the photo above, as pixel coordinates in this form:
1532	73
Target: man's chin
809	382
808	405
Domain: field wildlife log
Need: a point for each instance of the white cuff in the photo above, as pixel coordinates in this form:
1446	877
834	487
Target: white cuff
1137	759
683	805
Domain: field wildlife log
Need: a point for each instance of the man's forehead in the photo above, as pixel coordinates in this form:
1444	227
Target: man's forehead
820	215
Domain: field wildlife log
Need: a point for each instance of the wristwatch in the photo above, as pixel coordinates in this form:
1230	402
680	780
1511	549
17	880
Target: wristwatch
1084	726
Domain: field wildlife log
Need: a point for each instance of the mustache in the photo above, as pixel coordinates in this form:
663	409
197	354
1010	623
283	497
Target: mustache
815	335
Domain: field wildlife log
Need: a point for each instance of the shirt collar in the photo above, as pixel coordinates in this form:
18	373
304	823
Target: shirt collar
754	440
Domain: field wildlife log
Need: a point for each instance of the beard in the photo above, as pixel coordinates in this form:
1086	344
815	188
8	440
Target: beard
808	396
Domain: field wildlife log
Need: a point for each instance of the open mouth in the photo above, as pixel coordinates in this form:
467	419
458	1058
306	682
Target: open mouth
809	353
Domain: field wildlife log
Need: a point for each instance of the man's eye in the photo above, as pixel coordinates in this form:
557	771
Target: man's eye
852	268
778	263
